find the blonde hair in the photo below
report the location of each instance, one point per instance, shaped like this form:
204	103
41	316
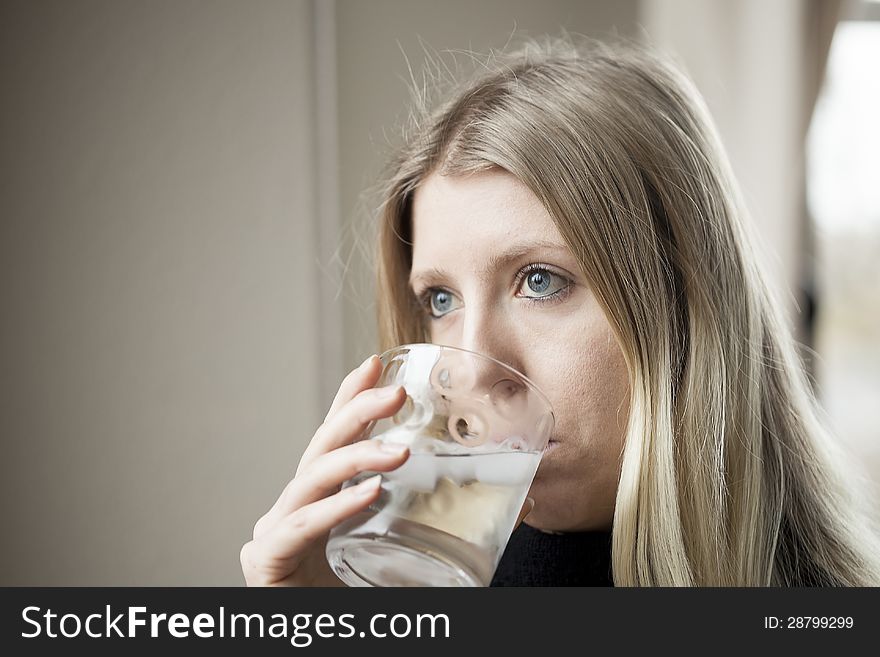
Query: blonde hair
728	478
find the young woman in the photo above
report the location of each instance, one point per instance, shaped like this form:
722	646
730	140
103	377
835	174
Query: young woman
571	212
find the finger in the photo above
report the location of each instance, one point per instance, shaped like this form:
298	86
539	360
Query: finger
526	509
350	421
277	553
327	472
357	380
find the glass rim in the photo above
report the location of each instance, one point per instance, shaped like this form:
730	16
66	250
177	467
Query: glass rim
531	384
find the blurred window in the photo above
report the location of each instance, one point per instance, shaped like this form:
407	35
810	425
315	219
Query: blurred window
843	183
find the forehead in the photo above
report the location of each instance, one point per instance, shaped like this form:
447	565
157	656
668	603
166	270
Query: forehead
478	212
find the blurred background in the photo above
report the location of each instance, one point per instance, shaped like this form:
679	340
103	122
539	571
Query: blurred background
185	234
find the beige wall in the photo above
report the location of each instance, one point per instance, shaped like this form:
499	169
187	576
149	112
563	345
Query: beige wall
158	284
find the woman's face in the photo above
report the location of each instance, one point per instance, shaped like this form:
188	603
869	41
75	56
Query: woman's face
496	277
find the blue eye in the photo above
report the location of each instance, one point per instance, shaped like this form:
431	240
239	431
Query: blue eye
541	282
538	281
440	302
535	282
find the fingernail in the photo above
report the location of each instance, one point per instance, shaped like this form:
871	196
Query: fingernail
368	486
366	364
392	448
387	392
530	503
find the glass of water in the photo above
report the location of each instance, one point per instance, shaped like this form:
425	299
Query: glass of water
476	429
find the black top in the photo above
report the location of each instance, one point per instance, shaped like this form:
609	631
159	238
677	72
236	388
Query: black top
536	558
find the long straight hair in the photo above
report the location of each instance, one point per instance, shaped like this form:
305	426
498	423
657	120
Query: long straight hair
727	475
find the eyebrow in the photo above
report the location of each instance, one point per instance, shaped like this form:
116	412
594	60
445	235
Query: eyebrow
433	275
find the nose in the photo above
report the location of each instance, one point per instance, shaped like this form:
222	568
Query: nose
488	401
487	329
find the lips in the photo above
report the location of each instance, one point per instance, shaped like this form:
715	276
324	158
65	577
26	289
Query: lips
551	446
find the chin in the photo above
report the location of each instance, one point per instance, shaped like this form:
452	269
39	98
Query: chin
553	511
549	513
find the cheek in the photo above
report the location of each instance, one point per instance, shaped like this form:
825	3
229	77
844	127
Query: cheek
586	380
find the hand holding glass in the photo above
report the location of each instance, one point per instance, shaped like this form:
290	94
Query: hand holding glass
476	429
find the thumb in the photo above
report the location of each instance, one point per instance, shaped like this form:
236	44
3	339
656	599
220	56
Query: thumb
527	507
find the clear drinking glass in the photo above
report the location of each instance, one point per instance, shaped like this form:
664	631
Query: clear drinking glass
476	429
